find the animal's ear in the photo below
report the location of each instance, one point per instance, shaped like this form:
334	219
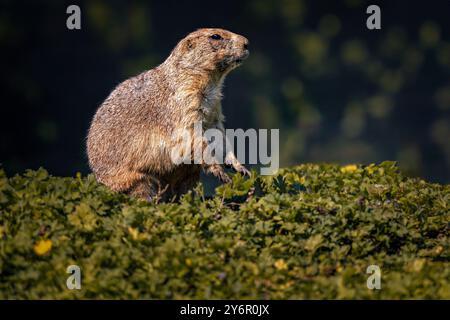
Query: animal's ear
189	44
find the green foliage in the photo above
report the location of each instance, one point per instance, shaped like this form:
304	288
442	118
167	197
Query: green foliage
309	232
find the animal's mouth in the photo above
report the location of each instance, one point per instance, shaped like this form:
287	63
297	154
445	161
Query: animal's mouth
242	57
232	62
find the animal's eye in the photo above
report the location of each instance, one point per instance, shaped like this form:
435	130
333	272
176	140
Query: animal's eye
216	37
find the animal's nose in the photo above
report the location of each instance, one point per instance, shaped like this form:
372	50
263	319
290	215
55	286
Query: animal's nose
240	42
245	44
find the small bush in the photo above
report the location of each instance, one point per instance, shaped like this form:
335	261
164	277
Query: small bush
310	232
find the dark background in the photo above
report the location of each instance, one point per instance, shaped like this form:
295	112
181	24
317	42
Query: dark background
337	91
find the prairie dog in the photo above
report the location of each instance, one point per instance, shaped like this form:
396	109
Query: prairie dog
131	135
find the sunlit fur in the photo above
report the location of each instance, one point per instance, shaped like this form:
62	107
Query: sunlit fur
130	138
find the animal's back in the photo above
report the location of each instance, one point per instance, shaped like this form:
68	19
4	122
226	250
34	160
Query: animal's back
125	126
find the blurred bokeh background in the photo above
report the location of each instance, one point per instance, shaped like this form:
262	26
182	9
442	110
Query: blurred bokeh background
337	91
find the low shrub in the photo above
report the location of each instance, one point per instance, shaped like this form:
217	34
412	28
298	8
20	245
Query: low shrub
308	232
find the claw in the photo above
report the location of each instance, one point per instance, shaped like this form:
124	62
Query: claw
218	172
243	170
223	177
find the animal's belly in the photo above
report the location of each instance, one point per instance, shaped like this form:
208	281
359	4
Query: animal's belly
183	173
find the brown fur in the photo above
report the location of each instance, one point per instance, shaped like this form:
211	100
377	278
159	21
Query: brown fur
130	137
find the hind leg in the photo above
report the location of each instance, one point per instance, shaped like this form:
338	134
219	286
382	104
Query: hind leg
185	178
146	188
141	189
135	184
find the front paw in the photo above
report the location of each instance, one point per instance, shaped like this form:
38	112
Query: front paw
223	177
219	173
242	170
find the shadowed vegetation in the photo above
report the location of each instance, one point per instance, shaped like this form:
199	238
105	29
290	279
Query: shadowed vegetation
310	231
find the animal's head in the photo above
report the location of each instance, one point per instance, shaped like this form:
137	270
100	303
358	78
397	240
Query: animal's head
211	50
